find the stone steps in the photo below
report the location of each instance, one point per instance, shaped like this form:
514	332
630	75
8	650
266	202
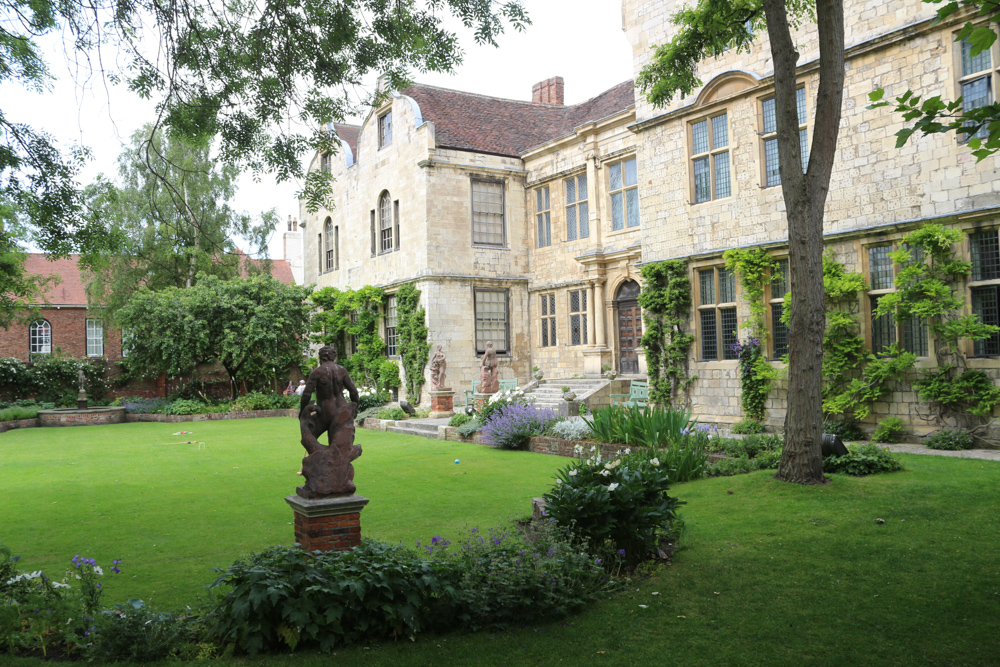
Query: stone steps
416	427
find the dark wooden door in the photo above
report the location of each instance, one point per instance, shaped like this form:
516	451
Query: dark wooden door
629	336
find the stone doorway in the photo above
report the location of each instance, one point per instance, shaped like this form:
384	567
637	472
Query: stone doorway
629	327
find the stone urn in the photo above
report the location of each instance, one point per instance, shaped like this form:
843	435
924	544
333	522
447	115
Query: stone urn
611	374
538	375
569	396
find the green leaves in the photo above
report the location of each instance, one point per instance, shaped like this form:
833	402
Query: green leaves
666	301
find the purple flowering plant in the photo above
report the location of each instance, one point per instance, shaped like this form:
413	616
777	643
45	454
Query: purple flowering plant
513	425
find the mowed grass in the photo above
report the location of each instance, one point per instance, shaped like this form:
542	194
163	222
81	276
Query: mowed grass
767	573
174	510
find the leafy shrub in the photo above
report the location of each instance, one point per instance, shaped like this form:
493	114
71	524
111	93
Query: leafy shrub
286	597
145	406
459	419
867	459
949	439
890	429
643	427
15	378
766	460
620	505
16	412
469	428
748	427
395	414
192	391
749	447
572	429
499	400
133	632
370	398
512	426
370	413
847	430
686	457
259	401
185	407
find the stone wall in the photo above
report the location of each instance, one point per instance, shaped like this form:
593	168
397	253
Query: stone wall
18	423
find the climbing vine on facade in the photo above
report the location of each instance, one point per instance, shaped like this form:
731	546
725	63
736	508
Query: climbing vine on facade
666	304
411	329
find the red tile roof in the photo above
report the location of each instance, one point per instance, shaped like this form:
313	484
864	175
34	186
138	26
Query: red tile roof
349	135
467	121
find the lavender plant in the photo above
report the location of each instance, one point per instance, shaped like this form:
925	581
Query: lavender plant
513	425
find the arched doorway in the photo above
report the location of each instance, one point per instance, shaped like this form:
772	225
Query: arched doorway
629	326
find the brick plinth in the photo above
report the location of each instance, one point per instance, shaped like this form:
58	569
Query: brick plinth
442	403
328	524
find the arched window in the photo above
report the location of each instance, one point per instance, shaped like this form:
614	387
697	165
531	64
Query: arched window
328	242
385	222
40	337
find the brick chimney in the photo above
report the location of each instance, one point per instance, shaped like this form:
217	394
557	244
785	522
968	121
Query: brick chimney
549	91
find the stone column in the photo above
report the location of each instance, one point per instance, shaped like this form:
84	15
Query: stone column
592	341
601	309
597	354
327	524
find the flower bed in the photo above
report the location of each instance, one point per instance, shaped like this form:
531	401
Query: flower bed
212	416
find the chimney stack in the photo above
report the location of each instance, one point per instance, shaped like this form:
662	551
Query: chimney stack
549	91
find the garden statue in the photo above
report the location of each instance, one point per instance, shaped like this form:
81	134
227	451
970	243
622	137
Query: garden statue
327	468
81	398
489	380
439	368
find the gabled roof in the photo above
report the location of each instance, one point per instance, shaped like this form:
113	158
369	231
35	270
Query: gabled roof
349	135
467	121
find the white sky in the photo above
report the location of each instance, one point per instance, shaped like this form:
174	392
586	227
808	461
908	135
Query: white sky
581	41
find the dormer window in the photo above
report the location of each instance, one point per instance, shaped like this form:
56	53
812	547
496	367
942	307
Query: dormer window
325	163
385	129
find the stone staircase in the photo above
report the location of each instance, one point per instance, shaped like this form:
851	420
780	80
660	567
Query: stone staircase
427	428
548	393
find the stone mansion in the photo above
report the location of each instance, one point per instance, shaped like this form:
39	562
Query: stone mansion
525	223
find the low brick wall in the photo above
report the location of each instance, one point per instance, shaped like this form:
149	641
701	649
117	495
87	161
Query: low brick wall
70	417
18	423
541	444
214	416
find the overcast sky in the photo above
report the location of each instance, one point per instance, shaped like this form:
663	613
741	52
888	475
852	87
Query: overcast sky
581	41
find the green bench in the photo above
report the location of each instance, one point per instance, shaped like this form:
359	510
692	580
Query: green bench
638	395
471	393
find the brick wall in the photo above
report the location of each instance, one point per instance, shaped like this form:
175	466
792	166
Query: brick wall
69	335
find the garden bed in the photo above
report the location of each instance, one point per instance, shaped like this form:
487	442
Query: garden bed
212	416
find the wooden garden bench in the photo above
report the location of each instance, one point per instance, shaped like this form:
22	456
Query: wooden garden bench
504	384
638	395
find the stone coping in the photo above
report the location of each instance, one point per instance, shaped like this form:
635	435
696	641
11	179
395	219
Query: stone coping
212	416
313	507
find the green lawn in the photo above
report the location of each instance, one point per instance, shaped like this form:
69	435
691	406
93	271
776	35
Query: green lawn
174	511
768	573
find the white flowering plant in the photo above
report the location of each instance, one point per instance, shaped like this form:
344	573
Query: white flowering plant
501	399
619	506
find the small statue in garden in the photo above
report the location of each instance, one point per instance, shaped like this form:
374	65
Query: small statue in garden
81	398
439	368
489	367
327	468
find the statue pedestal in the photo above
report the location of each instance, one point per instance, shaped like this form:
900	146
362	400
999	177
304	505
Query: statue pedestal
442	403
481	399
328	524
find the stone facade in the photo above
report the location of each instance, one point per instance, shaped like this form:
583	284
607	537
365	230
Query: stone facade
878	193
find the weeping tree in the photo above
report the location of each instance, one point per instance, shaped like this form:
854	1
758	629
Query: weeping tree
708	29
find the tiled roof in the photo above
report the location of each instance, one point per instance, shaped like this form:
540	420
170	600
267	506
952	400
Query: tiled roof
281	269
71	291
349	135
508	127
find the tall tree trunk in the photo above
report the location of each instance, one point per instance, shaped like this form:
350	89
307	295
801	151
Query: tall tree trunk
805	198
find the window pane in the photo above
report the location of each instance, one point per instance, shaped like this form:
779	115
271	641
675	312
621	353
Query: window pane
772	176
804	149
574	302
632	199
767	106
720	132
487	213
543	235
631	177
615	176
727	286
571	223
575	330
545	332
617	212
780	330
722	183
972	64
702	186
584	216
548	229
545	305
977	94
880	267
570	185
729	332
915	336
538	201
709	336
984	305
706	283
552	330
581	187
491	320
699	137
779	282
800	105
883	330
545	192
985	249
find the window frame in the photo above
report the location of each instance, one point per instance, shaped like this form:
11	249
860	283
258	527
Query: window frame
548	320
577	210
391	324
623	191
385	223
982	348
385	129
578	318
710	156
723	351
991	73
776	302
895	329
503	212
46	326
328	245
768	136
543	217
326	162
97	338
476	291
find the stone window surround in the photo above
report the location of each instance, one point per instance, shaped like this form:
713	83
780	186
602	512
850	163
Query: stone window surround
385	129
94	337
543	216
711	154
774	298
973	284
607	162
992	73
329	247
473	179
387	241
505	350
867	298
716	307
549	337
768	136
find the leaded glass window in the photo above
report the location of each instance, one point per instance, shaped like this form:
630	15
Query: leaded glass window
548	302
710	158
491	320
578	317
623	183
488	220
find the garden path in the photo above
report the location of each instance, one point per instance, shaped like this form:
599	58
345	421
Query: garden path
988	454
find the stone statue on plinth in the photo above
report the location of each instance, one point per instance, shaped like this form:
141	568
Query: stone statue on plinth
489	367
327	468
81	397
439	368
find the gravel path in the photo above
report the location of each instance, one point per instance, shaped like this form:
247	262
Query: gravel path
988	454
